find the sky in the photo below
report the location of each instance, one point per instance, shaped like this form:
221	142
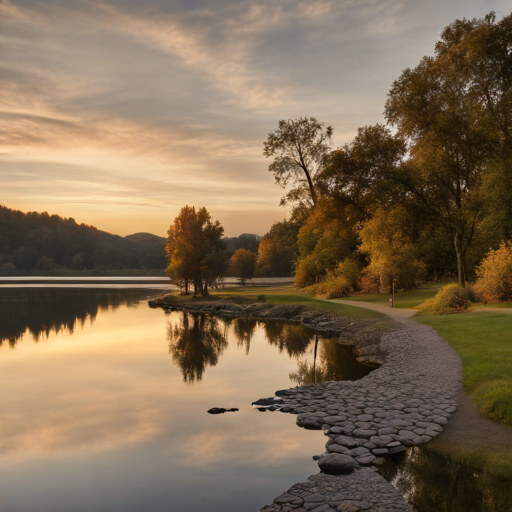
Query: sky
118	113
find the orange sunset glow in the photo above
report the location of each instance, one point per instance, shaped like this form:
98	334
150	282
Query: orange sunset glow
118	113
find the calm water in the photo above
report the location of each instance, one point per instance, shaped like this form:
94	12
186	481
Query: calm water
435	481
104	400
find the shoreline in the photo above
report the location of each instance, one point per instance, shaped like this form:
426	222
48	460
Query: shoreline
405	402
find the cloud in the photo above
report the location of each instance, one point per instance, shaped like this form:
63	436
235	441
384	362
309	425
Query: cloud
173	98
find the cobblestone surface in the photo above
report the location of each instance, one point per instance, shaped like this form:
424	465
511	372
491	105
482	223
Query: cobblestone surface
363	490
403	403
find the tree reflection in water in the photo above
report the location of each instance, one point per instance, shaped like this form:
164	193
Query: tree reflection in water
195	344
334	362
42	311
294	338
434	481
244	329
196	341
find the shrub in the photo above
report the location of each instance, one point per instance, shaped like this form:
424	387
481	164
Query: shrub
494	281
337	283
451	298
349	268
494	400
262	297
369	282
334	286
307	272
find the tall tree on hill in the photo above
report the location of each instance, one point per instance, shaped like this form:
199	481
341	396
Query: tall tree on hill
195	250
298	147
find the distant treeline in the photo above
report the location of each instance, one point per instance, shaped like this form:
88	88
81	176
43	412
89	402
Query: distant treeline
41	241
44	242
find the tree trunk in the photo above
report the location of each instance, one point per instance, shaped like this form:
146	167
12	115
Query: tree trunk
461	264
311	187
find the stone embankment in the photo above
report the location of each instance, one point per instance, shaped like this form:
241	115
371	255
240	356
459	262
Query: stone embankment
405	402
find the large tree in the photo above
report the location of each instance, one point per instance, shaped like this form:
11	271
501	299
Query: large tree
441	108
195	250
359	176
298	147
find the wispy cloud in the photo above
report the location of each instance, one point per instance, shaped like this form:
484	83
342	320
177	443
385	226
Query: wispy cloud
174	100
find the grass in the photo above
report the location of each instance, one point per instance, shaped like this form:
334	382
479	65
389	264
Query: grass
283	295
483	341
408	299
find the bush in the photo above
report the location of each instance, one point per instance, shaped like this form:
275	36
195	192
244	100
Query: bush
262	297
451	298
495	275
334	286
494	400
369	282
307	272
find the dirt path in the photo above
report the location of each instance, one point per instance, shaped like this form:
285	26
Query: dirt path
396	313
466	427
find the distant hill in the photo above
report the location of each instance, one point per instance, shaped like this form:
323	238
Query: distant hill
148	239
41	241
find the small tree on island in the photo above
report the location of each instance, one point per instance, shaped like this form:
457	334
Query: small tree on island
195	251
242	265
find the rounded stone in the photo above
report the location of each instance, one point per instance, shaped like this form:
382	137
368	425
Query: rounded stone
336	464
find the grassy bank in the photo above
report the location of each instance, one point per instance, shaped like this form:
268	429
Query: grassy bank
408	299
283	295
484	343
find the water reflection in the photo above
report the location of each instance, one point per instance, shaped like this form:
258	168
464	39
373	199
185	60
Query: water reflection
244	329
293	338
334	362
100	419
433	481
43	311
195	343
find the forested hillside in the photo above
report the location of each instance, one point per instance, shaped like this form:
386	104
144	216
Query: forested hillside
41	241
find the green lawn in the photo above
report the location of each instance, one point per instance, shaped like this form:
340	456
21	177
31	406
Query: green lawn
483	341
409	299
285	295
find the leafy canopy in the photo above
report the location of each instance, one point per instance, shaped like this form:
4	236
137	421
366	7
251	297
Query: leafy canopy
298	147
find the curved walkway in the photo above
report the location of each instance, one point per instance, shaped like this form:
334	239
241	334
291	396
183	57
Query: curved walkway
405	402
396	313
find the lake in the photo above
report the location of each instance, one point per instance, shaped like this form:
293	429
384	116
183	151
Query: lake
104	404
104	408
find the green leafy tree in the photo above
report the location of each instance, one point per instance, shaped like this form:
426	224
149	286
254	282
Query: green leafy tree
278	250
242	265
298	148
359	177
451	138
324	240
